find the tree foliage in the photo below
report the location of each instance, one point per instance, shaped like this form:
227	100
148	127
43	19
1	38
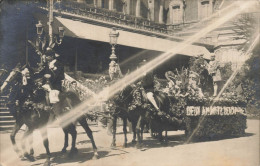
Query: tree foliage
246	29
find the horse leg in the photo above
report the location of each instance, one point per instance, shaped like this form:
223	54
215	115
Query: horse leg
31	144
15	129
125	131
28	135
72	130
83	122
114	121
138	132
134	123
142	130
46	145
66	139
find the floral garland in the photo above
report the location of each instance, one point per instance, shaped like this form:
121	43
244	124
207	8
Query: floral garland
215	126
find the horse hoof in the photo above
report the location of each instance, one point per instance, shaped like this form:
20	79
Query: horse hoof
134	142
63	151
125	145
31	152
47	163
23	158
72	152
29	157
139	146
113	145
95	157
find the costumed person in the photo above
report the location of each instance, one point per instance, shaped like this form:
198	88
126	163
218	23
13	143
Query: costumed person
193	88
148	85
171	82
21	91
57	73
54	77
114	70
214	71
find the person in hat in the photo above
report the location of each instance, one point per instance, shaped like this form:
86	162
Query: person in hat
171	78
214	70
148	85
56	68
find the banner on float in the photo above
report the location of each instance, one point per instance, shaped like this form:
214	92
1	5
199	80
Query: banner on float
215	110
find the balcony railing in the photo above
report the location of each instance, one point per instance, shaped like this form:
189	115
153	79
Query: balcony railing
120	18
110	16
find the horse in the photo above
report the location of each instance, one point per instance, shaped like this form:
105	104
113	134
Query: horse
127	104
69	100
34	117
120	106
34	114
168	119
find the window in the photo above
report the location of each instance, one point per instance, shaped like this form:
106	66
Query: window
176	14
205	3
205	9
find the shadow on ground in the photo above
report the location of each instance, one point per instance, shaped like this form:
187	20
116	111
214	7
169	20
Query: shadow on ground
175	140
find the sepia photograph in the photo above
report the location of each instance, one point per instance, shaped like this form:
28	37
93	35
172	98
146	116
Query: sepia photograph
129	82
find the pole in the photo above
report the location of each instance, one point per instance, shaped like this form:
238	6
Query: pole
50	22
26	45
76	60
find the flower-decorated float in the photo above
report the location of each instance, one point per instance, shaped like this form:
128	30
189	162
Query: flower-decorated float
194	108
203	114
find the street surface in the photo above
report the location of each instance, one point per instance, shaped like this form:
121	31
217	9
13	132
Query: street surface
241	151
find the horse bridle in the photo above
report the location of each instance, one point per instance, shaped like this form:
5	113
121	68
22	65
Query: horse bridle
121	95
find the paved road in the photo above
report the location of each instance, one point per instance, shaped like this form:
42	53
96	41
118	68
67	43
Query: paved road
242	151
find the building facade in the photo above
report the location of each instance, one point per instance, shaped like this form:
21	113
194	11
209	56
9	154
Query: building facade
151	24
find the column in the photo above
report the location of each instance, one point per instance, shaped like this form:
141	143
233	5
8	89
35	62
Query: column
161	14
111	5
128	5
151	9
99	3
138	8
95	2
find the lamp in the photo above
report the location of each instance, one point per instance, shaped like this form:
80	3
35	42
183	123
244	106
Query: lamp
39	27
113	35
61	33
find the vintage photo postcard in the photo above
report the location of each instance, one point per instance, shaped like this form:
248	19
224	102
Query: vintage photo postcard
129	82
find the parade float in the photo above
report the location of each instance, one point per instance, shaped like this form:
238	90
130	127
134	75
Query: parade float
193	107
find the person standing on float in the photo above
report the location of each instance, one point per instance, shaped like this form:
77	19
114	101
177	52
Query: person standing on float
214	71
